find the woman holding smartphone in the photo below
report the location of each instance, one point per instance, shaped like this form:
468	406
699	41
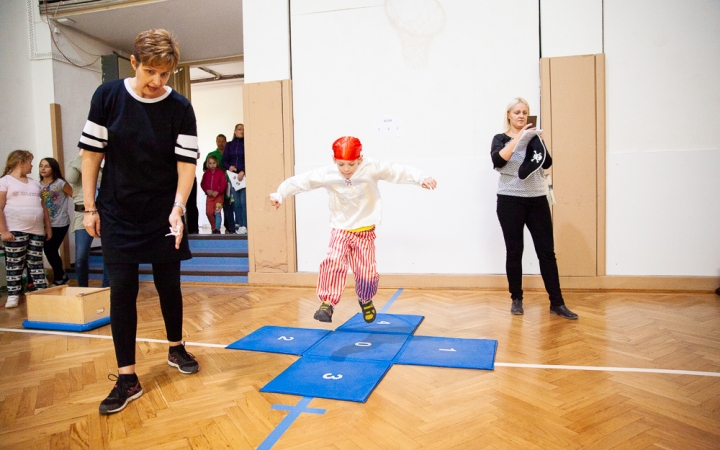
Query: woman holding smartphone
522	201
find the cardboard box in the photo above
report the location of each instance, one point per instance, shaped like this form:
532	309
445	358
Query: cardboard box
66	304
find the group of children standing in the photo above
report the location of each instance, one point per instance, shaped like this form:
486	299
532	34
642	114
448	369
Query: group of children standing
34	219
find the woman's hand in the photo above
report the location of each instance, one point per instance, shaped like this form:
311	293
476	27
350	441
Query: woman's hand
176	223
241	175
91	222
7	236
233	169
429	183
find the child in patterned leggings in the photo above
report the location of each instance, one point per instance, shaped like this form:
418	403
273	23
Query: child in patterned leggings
352	184
24	224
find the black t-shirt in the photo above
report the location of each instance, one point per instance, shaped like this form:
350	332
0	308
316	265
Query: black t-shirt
143	139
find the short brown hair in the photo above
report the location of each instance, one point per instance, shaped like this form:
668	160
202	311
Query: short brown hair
156	48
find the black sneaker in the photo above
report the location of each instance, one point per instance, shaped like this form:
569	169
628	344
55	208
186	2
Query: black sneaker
184	361
122	394
517	308
368	311
62	282
563	312
324	314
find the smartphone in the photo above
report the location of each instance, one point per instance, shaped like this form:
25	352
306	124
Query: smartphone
532	120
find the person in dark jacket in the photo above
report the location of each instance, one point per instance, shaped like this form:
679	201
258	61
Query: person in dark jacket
233	159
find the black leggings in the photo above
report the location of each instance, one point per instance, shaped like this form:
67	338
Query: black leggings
51	251
514	214
124	289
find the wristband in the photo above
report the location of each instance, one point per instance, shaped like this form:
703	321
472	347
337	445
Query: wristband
181	206
90	211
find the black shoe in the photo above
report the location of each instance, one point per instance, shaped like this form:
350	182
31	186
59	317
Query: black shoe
62	282
517	308
368	311
324	314
122	394
184	361
563	312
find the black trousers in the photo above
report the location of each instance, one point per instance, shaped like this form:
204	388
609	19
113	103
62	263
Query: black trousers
51	250
124	289
514	214
192	215
228	213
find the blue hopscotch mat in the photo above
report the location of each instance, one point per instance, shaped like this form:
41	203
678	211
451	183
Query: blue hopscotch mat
348	363
287	340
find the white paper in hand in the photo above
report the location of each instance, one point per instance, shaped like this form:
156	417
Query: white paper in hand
525	139
237	185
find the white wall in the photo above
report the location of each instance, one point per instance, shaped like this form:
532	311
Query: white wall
663	138
218	107
352	66
266	40
74	86
571	27
17	126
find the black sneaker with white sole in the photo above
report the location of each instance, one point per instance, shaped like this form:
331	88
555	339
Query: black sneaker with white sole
127	388
324	313
184	361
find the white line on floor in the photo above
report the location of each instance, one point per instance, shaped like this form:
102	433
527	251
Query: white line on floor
100	336
497	364
609	369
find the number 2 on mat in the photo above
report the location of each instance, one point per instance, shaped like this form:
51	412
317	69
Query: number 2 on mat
283	338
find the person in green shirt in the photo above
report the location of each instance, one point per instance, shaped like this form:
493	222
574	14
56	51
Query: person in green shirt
220	141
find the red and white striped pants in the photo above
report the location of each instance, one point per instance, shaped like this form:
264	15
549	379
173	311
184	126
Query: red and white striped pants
354	250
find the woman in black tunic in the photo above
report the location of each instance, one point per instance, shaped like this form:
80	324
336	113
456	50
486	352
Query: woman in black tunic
146	132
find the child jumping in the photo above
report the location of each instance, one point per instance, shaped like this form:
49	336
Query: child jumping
214	184
354	211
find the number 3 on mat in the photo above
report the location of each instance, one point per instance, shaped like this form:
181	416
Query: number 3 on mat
330	376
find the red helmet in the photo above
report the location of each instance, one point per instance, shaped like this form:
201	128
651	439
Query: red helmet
347	148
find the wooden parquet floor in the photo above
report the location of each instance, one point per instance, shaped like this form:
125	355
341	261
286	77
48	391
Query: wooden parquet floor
50	385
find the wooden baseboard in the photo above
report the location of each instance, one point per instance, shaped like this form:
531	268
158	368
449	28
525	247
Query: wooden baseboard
429	281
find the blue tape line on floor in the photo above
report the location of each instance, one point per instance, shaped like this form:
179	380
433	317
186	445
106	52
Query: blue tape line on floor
287	421
391	301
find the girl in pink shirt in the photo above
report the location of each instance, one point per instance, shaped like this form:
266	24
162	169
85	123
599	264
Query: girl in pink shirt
24	224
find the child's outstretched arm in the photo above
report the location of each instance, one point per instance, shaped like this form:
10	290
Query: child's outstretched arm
400	174
299	183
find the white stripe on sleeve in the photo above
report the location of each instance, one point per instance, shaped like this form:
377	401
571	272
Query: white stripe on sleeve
95	130
187	153
187	141
92	142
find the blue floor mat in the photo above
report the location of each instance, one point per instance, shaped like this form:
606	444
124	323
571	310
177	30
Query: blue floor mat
287	340
449	352
343	345
384	323
351	381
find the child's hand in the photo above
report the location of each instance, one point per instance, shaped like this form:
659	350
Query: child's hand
429	183
275	203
